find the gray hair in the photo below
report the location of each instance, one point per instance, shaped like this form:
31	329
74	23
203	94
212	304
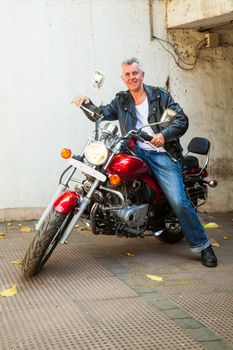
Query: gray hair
133	60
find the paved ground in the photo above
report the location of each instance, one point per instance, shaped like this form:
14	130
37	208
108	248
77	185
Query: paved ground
94	294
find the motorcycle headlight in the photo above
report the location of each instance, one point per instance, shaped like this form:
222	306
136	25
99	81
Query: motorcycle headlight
96	153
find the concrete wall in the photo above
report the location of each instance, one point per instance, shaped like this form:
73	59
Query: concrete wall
198	13
206	93
49	51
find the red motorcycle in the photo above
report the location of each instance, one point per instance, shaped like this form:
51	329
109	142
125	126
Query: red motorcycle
118	195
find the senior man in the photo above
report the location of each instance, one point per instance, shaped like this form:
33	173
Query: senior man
142	104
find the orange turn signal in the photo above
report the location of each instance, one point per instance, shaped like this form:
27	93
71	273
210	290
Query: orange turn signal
66	153
114	180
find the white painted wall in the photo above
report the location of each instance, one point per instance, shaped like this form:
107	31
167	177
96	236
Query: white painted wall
49	50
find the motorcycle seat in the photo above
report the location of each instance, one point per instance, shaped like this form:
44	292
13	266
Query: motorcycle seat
190	162
200	146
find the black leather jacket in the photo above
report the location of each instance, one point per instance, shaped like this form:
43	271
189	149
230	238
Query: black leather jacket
122	108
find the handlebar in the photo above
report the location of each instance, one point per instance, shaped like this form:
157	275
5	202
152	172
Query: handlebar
146	136
139	135
86	109
92	112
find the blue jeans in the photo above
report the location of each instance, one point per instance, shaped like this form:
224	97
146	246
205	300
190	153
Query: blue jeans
169	175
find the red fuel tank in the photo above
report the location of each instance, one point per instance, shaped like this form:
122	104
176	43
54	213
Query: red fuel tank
128	167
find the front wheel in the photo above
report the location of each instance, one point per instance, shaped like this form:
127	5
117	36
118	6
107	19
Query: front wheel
44	243
172	233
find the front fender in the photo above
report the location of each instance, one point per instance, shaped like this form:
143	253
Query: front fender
66	202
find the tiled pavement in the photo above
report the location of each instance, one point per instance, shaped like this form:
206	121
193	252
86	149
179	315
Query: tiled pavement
94	294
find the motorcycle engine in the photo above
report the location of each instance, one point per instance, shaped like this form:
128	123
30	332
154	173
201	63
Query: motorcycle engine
133	215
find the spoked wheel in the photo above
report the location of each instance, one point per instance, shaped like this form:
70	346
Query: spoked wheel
172	233
44	243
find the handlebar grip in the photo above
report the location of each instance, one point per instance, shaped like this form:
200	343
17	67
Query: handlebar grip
88	105
146	136
92	112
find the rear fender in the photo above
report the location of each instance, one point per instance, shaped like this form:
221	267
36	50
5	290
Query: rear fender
66	202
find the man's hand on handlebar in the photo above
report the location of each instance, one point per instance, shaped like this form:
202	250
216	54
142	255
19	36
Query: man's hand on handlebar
158	140
79	100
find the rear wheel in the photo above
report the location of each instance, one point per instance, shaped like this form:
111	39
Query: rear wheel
172	233
44	243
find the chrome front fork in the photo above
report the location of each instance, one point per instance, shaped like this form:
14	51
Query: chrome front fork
85	202
61	188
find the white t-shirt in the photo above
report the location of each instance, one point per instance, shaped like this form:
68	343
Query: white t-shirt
142	112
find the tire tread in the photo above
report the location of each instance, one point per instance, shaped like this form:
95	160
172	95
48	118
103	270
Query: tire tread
32	262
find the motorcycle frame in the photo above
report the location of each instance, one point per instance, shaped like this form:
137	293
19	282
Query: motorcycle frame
58	198
74	200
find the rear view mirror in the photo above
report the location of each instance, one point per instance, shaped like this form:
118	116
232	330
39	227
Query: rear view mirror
97	80
167	116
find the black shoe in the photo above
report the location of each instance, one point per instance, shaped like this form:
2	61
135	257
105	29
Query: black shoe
208	257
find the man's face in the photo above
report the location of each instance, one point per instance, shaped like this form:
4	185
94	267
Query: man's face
132	76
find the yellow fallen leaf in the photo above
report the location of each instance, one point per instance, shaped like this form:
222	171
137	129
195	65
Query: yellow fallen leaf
76	225
225	237
9	292
20	225
129	254
155	278
85	228
9	224
2	235
213	242
17	262
26	229
212	225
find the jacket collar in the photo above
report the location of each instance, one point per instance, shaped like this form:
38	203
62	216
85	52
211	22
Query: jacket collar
151	92
128	101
